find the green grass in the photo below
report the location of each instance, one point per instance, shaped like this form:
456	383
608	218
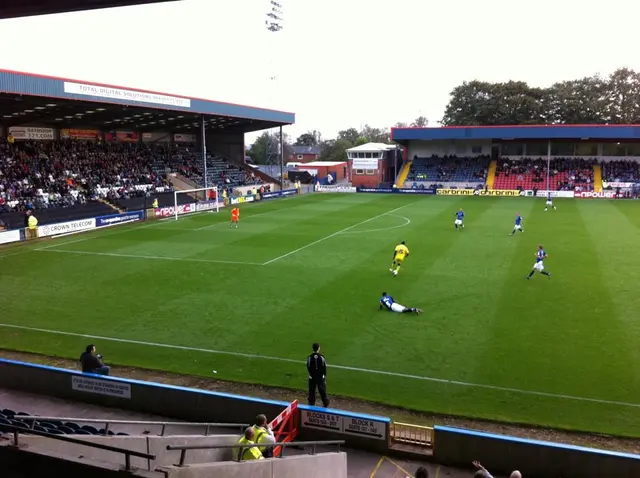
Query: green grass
572	338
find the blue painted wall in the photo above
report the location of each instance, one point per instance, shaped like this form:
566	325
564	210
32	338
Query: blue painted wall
610	132
33	85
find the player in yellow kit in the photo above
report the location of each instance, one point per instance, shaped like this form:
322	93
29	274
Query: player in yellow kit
400	252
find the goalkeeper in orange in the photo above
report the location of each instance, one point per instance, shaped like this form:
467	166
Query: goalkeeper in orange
399	254
235	216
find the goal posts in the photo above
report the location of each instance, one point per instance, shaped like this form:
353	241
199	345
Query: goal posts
189	201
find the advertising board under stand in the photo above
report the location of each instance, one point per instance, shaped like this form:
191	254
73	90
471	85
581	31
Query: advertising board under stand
171	210
66	227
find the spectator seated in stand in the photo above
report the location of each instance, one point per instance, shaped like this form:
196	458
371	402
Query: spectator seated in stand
469	171
566	174
623	171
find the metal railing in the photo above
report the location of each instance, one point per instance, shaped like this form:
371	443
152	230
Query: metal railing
127	453
107	422
183	448
412	434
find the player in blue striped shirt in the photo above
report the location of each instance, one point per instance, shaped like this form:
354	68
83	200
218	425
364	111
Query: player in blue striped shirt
541	255
518	224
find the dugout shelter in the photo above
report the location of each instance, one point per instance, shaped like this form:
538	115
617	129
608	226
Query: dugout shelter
603	143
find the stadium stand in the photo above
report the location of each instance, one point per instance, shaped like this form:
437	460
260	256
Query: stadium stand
566	174
449	170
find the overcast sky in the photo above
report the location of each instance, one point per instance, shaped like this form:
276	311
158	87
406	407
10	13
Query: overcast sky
339	63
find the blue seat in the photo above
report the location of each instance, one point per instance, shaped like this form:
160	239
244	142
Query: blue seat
8	413
90	429
48	424
80	431
122	434
102	431
66	430
40	428
73	425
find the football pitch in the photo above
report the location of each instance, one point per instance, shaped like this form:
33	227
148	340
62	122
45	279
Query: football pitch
194	295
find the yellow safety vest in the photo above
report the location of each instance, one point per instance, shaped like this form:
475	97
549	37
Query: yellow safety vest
33	222
260	433
155	204
248	453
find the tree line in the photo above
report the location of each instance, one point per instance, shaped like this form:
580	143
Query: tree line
614	99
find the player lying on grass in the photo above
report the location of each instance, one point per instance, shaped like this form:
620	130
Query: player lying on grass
387	302
541	255
399	253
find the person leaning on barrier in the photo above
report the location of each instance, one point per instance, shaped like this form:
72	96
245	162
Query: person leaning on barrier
92	362
264	436
249	453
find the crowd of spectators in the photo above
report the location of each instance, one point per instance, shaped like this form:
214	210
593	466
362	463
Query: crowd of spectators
45	174
40	175
569	174
621	171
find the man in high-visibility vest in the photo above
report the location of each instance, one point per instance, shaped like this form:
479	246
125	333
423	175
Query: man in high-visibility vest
32	226
155	204
249	453
264	436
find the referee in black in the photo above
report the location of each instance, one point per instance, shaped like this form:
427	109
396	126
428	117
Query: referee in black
317	368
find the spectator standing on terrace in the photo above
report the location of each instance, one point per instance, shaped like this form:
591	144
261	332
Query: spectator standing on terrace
264	435
92	362
317	368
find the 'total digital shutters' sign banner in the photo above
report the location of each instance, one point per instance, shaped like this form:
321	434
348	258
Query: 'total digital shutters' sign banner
124	94
81	134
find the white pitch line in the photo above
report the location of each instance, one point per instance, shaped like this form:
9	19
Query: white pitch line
333	235
407	221
158	258
339	367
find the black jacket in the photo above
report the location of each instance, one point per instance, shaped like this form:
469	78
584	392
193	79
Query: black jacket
316	365
90	362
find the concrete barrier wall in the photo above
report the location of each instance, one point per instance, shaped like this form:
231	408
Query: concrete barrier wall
503	454
22	462
185	403
144	444
324	465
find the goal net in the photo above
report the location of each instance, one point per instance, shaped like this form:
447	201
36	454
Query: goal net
196	200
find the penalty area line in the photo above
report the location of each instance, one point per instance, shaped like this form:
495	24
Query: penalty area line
339	367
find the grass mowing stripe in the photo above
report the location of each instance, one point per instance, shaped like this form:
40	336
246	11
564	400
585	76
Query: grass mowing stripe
339	367
322	239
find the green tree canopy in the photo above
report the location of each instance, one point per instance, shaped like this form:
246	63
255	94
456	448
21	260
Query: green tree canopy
590	100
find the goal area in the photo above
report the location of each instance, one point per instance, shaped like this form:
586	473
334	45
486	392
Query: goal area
190	201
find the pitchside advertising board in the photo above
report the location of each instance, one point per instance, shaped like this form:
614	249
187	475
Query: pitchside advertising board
112	219
347	425
598	195
279	194
396	191
66	227
171	210
335	189
479	192
9	236
242	199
